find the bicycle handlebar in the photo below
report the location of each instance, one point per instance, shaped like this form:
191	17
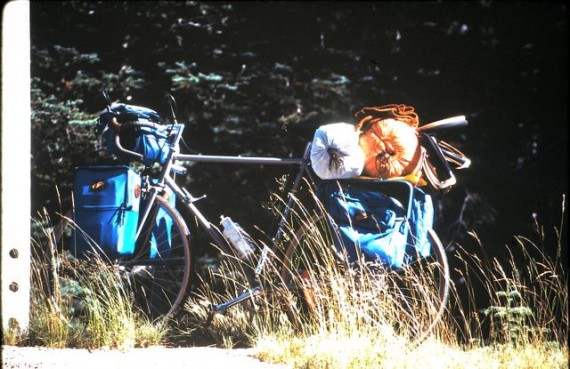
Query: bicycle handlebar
125	151
458	121
116	127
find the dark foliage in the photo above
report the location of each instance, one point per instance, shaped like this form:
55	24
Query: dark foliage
258	77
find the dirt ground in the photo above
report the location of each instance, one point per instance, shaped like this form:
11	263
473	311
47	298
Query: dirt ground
153	357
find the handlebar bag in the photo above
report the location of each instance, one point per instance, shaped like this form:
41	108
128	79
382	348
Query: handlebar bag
131	113
151	143
374	225
107	200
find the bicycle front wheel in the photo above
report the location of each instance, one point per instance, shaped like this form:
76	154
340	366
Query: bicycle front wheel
412	299
157	274
159	271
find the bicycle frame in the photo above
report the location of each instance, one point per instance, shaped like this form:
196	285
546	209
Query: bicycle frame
167	178
440	177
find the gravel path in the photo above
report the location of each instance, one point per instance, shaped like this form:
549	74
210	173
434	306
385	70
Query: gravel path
151	358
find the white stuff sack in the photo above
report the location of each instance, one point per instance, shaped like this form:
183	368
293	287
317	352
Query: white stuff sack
335	152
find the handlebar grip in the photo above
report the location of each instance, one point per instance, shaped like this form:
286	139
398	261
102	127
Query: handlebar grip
458	121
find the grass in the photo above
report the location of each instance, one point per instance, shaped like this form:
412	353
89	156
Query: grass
524	325
330	351
529	330
528	296
92	307
363	319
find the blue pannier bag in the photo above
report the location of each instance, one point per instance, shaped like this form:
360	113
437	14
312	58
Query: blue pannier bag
161	235
385	221
151	143
131	113
421	220
107	202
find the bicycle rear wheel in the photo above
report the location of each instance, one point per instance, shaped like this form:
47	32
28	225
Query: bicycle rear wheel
157	273
412	299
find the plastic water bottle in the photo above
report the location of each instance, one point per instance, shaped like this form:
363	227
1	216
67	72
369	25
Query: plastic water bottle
235	235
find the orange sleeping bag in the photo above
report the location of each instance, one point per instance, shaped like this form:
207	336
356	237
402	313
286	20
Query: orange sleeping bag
389	141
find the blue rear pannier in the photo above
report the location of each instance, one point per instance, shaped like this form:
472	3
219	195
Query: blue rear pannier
421	220
384	221
106	209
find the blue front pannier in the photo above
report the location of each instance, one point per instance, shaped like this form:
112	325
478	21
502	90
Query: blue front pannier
106	210
384	221
161	236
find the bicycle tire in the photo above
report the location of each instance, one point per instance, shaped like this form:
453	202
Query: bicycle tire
300	304
303	303
159	284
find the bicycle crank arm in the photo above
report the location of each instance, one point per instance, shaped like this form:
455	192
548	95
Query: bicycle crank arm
220	308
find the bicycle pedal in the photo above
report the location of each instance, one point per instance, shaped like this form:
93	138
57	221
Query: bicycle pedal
214	315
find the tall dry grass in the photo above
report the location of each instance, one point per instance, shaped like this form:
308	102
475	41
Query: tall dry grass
363	318
82	303
527	295
370	318
349	302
